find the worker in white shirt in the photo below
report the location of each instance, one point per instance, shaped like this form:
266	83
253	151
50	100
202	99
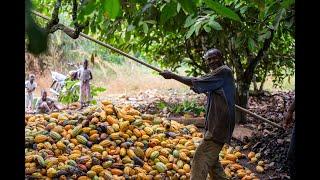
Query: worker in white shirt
30	86
85	77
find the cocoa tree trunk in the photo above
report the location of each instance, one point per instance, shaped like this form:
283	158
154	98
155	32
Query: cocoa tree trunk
263	80
255	86
242	96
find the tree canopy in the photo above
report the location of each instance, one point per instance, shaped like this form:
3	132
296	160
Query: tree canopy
255	36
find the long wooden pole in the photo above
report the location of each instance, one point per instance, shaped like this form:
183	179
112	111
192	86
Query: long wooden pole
154	68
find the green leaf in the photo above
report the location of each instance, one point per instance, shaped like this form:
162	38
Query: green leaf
87	8
278	18
168	11
100	89
111	8
222	10
190	32
260	3
130	27
264	36
197	27
145	28
287	3
243	9
94	102
188	5
189	21
178	7
215	25
251	44
151	21
207	28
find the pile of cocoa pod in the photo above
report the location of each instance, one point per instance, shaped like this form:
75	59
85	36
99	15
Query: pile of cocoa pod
109	142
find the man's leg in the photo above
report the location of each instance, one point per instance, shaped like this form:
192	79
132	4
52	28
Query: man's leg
291	155
31	101
44	106
217	171
81	95
88	93
205	158
27	101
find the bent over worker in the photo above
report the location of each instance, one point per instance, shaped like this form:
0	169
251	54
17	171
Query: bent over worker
45	104
219	87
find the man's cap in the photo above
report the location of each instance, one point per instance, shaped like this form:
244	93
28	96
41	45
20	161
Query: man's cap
43	91
212	53
31	76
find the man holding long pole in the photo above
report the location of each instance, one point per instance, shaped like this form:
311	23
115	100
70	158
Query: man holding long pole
219	87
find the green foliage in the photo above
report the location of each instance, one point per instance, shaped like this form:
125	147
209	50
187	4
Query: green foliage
163	33
36	36
222	10
182	108
70	92
111	8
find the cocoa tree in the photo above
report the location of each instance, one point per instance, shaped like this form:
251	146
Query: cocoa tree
175	33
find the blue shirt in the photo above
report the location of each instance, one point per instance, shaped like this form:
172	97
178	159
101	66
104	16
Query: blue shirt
220	108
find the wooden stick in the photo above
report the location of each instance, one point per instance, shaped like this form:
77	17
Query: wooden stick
258	117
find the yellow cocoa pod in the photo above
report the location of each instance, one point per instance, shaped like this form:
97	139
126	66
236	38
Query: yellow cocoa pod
251	154
111	120
253	160
247	177
237	166
108	110
60	145
238	154
226	162
137	133
124	125
123	152
231	157
148	131
259	169
127	170
187	168
148	152
163	159
40	138
131	153
241	174
147	167
106	102
97	168
145	137
74	156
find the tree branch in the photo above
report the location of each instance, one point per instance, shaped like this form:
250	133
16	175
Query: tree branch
248	74
53	25
55	18
237	63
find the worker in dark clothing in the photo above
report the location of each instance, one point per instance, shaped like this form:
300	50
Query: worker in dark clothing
219	87
292	147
